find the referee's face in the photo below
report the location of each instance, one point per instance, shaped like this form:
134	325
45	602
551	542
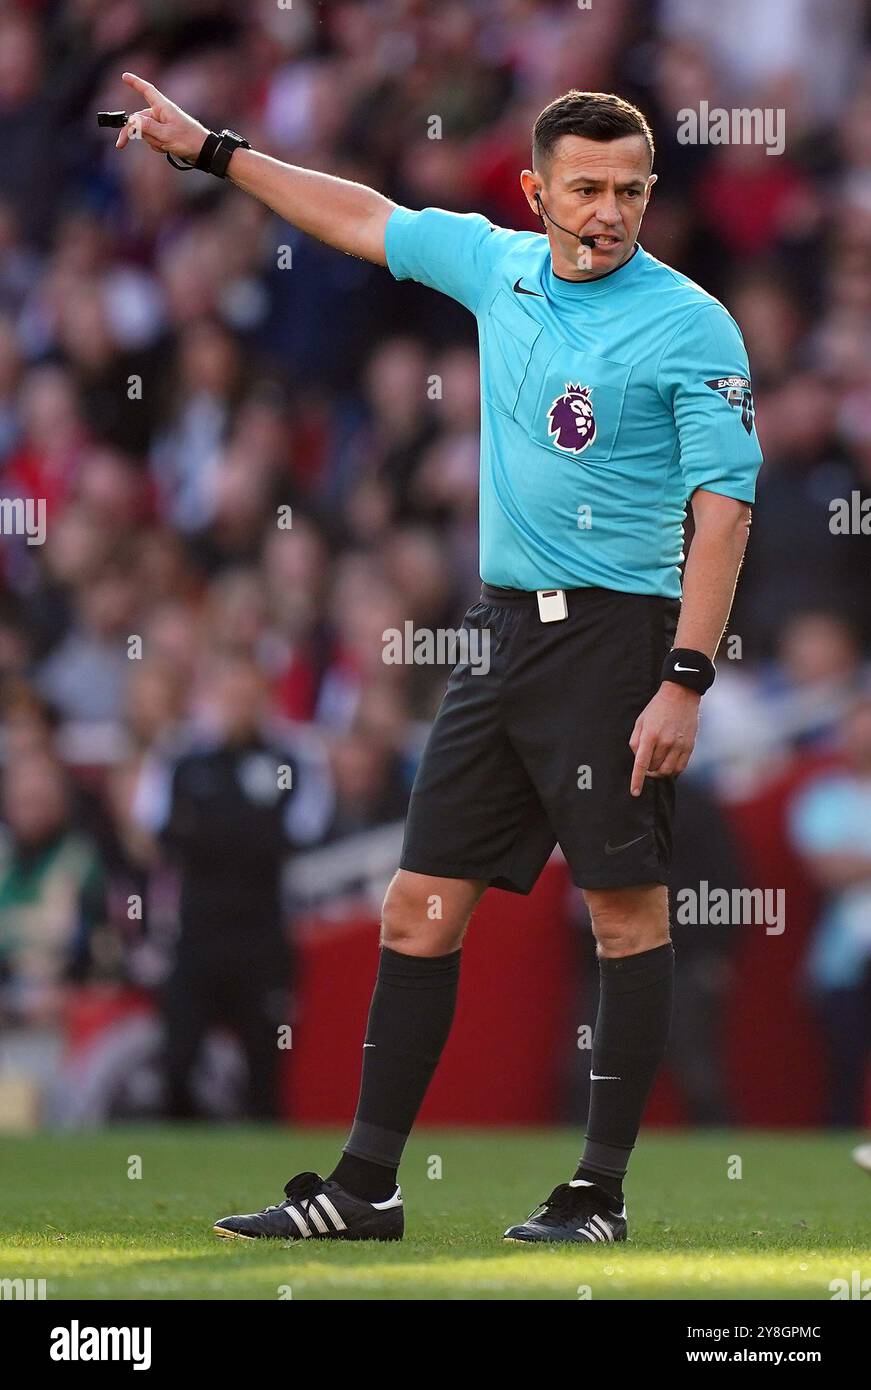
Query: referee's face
592	188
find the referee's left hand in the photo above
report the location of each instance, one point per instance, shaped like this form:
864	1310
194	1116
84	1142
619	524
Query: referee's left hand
665	734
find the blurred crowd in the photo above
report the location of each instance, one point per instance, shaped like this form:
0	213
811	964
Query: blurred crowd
254	449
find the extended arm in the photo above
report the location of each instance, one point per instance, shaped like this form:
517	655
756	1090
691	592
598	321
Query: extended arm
345	215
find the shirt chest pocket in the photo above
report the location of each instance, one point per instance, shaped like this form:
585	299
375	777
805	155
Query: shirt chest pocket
567	399
509	338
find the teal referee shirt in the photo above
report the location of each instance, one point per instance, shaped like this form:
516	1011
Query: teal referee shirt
604	404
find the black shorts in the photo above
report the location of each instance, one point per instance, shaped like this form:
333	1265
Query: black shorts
535	751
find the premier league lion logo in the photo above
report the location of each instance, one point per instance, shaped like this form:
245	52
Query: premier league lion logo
571	422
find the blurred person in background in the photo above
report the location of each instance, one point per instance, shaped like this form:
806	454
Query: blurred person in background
27	123
28	723
173	634
10	379
363	606
239	504
165	572
774	322
830	824
370	777
19	268
86	674
445	490
45	459
817	674
205	388
296	566
104	374
155	717
227	810
385	440
15	652
416	565
235	612
798	561
76	548
52	915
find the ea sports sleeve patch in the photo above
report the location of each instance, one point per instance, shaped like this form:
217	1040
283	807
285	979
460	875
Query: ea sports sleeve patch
737	391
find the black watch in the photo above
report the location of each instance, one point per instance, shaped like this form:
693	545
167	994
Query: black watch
215	153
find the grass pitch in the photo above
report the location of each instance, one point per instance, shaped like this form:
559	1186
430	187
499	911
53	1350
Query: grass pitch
798	1217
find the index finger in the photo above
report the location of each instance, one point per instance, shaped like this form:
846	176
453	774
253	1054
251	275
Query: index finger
145	89
641	764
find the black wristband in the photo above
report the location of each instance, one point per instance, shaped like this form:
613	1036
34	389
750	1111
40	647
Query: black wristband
692	669
215	153
207	152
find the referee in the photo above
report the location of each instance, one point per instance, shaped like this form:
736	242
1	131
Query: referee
614	391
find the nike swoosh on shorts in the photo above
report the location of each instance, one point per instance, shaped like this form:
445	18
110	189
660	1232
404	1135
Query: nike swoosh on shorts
615	849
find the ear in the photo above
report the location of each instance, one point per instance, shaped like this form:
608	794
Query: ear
649	189
530	184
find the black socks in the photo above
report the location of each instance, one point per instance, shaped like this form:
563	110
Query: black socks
409	1021
374	1182
629	1043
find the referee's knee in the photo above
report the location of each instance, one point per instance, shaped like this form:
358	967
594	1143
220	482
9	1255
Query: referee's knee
427	916
627	921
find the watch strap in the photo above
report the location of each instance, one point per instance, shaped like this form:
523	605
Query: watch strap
215	153
207	153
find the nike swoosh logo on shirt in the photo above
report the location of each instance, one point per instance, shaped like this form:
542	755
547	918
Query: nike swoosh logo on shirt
518	289
593	1077
686	668
615	849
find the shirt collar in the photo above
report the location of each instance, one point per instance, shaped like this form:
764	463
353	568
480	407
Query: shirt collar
576	290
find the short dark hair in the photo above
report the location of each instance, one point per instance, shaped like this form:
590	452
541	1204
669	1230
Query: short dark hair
594	115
